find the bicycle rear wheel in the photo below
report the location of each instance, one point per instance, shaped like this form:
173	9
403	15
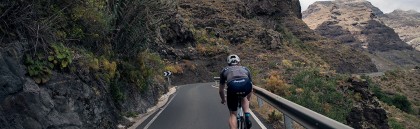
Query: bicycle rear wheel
241	123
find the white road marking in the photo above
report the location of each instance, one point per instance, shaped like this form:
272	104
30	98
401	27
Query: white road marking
258	120
214	86
154	118
252	114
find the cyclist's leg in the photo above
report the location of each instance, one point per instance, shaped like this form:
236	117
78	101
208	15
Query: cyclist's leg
232	120
249	95
232	103
247	86
245	103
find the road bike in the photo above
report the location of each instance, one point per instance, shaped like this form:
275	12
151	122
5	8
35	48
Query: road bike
240	115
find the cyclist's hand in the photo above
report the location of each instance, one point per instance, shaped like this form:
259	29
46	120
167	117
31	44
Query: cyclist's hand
223	101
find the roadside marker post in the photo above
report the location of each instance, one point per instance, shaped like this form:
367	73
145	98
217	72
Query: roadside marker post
168	74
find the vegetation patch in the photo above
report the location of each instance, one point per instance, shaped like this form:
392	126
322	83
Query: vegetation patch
143	71
319	93
116	93
276	85
399	101
395	124
38	68
41	65
176	69
208	44
61	56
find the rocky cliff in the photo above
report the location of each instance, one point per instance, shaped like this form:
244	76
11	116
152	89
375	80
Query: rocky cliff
406	24
366	112
67	100
357	23
60	66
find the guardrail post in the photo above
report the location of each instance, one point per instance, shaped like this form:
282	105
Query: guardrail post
288	123
216	79
260	102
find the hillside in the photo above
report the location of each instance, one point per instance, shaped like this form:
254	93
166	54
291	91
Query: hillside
92	64
262	33
399	93
357	23
406	24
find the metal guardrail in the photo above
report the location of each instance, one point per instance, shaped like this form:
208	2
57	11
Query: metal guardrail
305	117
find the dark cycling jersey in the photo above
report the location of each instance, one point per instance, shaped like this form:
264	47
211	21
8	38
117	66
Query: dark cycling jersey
230	73
239	84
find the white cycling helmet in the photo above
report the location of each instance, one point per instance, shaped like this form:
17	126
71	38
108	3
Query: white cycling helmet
233	59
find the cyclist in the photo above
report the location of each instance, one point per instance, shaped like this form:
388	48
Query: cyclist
239	84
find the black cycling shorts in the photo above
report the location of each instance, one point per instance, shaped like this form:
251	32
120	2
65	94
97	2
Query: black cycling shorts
235	89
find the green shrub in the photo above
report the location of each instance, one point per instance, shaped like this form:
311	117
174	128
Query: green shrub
116	92
38	68
61	56
395	125
130	114
399	101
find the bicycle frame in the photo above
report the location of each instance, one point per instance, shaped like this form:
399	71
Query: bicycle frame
240	115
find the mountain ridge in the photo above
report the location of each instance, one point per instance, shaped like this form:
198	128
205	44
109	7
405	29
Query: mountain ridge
358	24
406	24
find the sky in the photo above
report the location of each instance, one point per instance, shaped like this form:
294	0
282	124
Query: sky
386	6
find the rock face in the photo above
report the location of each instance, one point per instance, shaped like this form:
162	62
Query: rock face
69	101
366	113
64	102
358	23
406	24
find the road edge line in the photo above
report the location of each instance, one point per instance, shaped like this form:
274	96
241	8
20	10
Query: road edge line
155	117
153	109
258	120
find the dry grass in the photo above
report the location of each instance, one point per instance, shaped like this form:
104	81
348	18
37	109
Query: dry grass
174	68
409	121
276	84
190	65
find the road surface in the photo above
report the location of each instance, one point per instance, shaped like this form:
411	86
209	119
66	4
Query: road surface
194	106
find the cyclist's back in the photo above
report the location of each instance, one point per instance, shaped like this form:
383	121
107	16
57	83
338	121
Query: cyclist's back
238	80
239	85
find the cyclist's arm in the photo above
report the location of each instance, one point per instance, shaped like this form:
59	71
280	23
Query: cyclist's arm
222	92
222	87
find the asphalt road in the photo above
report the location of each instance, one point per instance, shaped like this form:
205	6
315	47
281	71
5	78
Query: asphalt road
194	106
